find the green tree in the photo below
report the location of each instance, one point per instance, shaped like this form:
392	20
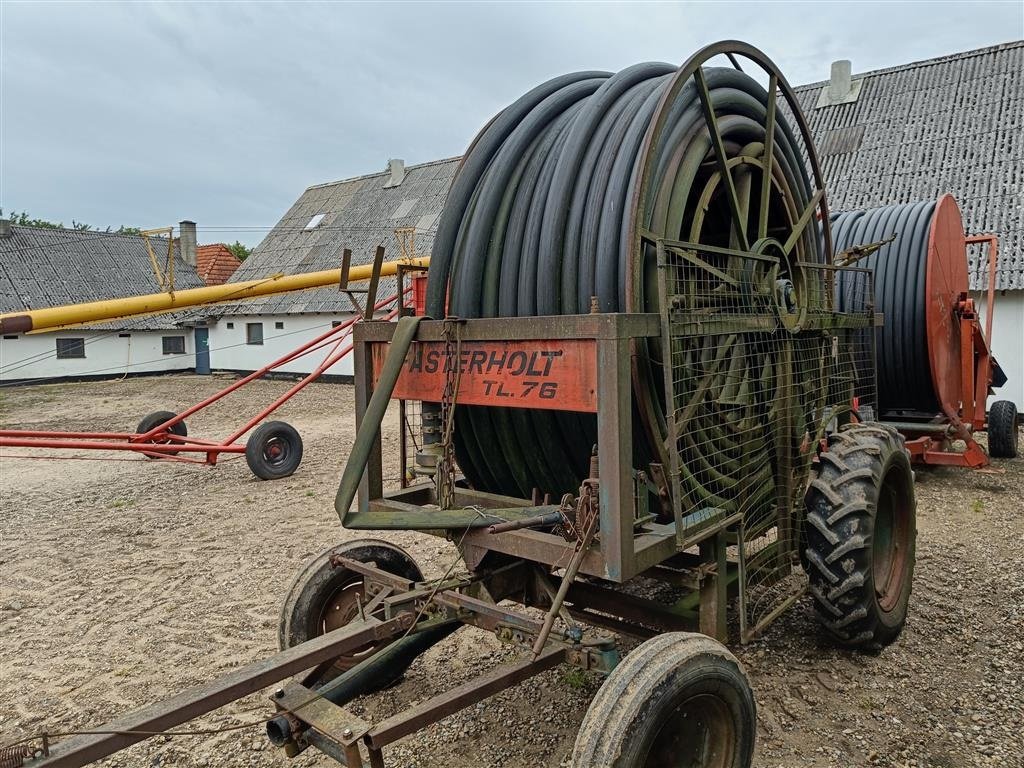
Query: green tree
240	250
23	219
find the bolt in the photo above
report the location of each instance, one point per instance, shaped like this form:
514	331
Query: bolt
279	693
347	733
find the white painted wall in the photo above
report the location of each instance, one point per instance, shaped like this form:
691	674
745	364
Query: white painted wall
229	350
1007	342
107	353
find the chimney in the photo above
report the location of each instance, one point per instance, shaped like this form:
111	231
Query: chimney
187	241
841	87
5	229
839	81
397	169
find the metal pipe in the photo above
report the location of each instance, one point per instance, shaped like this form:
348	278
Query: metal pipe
366	676
100	445
36	320
137	726
332	358
322	340
369	427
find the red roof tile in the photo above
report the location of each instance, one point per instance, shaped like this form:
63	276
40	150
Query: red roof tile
216	263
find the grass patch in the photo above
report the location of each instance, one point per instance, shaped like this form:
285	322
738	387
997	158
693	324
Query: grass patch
575	678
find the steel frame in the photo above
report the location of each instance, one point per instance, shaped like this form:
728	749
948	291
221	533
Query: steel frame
630	541
930	441
403	608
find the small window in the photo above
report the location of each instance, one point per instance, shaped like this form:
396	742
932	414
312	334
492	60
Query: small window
279	325
70	348
315	221
124	335
254	333
174	345
10	338
230	326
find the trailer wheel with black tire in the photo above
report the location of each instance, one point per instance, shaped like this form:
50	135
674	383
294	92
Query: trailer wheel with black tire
274	450
154	420
678	699
861	534
323	598
1003	430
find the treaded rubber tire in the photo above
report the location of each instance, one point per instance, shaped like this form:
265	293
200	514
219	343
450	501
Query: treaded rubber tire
155	419
638	700
280	435
1003	437
317	584
842	507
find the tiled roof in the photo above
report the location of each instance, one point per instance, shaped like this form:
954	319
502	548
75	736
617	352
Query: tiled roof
358	214
952	124
216	263
50	267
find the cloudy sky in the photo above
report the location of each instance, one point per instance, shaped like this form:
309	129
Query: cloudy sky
144	114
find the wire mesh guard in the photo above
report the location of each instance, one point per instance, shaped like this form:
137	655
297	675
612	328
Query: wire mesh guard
410	422
756	365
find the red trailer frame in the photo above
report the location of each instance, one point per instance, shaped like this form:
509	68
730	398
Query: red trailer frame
161	442
932	443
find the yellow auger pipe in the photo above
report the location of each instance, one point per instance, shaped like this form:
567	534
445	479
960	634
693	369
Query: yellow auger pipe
37	320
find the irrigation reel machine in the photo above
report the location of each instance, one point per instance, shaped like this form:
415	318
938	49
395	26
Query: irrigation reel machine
638	374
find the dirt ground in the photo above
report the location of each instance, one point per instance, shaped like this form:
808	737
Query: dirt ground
122	582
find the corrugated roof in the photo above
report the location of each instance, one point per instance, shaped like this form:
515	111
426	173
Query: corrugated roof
216	263
358	214
952	124
50	267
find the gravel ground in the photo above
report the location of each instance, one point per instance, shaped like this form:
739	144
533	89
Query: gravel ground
125	581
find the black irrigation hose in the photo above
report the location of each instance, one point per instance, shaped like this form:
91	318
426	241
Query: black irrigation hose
538	221
901	344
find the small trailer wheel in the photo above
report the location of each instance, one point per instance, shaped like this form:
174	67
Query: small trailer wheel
155	419
323	598
1003	435
274	450
678	699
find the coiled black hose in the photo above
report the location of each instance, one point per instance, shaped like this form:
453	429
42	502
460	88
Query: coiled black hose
904	382
540	219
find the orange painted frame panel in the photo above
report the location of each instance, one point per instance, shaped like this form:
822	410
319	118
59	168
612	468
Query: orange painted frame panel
558	375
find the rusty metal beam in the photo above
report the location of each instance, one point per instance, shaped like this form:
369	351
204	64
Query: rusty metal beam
462	696
140	725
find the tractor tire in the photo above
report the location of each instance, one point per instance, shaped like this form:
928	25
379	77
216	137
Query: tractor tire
155	419
677	699
323	598
1003	435
861	534
274	450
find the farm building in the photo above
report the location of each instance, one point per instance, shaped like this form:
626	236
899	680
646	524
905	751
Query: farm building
951	124
359	214
42	267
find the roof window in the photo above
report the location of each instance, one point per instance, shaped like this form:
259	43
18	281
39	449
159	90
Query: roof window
315	221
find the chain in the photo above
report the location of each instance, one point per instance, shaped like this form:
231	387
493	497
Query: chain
453	376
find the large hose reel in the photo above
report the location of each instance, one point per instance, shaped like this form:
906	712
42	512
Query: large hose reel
565	203
920	274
